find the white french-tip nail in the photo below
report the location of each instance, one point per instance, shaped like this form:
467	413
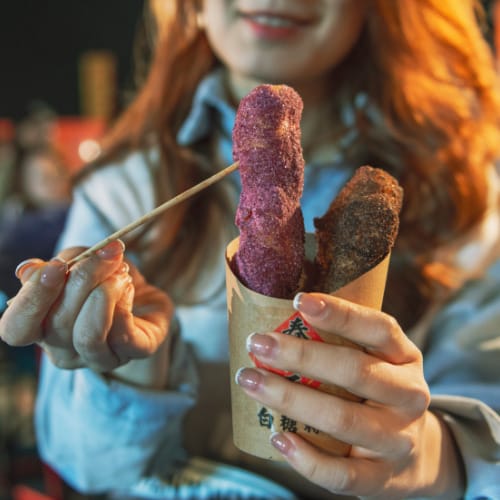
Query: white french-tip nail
248	341
22	264
296	301
237	375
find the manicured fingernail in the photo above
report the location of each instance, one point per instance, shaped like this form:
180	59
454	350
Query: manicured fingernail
309	304
262	345
111	250
282	443
53	273
23	266
248	378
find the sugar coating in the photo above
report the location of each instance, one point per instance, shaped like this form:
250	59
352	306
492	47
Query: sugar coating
266	142
359	228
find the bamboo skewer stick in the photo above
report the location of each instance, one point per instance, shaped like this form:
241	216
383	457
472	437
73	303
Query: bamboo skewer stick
150	215
156	211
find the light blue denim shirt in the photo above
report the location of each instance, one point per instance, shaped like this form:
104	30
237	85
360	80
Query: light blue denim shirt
103	435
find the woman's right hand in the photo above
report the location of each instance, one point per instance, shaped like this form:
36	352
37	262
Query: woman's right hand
100	314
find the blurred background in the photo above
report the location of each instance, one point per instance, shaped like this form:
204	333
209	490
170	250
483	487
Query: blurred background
72	57
44	45
67	67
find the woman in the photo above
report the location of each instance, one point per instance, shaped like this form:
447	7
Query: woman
406	86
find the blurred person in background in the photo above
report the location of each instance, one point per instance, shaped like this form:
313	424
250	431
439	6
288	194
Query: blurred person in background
34	213
37	192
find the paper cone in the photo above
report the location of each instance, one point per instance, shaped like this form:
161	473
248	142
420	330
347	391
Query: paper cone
249	312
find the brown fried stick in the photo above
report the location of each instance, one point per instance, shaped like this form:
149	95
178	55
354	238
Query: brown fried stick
359	228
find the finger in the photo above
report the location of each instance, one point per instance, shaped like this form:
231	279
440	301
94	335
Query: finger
68	253
42	283
122	328
139	335
64	358
373	428
93	323
26	268
347	476
374	330
369	377
82	279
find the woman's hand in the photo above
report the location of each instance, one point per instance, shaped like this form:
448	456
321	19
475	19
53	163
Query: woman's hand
399	448
99	314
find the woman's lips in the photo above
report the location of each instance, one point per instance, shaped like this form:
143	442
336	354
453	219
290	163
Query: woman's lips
273	26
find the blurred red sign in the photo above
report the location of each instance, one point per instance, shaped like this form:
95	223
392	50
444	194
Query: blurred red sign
72	134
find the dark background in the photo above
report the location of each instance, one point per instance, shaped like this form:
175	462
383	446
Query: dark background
41	42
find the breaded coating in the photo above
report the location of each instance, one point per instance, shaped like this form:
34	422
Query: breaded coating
359	228
266	142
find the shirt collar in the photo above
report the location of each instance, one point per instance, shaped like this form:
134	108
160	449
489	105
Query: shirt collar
210	106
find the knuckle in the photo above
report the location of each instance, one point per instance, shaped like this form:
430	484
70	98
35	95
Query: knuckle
347	480
10	338
392	323
419	398
340	420
59	324
79	276
357	370
31	306
311	471
343	479
101	293
88	342
419	357
302	354
64	363
287	398
336	479
407	445
7	334
19	330
344	316
59	327
387	329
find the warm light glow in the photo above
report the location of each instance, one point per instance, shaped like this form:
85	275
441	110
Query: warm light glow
161	9
89	150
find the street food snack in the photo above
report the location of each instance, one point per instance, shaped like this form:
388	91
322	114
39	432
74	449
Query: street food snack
266	143
273	258
359	228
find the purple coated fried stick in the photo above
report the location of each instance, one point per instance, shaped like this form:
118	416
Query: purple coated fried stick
266	142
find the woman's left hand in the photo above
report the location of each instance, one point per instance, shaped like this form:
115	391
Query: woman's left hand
399	448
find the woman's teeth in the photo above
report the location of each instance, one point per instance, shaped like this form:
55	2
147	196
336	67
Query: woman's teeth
273	21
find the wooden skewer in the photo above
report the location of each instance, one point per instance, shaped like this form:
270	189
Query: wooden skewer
156	211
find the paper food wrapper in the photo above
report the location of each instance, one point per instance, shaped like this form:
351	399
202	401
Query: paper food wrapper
250	312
